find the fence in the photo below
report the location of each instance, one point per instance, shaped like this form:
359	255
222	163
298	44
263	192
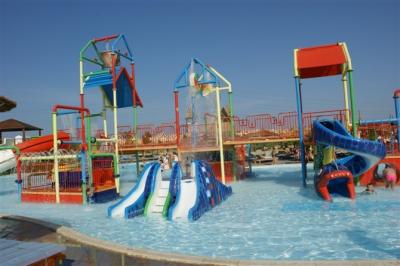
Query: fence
37	173
385	132
103	172
253	127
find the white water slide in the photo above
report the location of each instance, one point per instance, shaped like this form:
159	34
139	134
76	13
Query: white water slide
118	210
7	160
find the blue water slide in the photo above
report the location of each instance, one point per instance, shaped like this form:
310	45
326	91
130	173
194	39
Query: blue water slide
197	194
174	188
210	192
366	153
134	202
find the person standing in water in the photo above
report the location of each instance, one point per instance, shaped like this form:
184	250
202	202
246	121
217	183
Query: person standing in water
390	176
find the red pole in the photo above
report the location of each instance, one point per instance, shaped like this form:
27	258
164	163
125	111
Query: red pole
19	178
106	38
177	127
84	146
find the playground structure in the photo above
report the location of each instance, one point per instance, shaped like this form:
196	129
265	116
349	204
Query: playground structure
219	131
333	175
321	61
202	130
74	171
86	165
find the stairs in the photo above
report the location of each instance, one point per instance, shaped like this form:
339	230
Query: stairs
160	197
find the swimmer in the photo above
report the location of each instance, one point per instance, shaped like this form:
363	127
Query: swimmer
369	190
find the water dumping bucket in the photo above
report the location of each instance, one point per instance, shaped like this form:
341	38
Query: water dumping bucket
106	58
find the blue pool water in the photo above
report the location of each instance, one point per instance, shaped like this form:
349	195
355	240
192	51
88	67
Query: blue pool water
269	216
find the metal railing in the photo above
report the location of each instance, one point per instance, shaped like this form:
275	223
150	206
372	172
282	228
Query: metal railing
251	128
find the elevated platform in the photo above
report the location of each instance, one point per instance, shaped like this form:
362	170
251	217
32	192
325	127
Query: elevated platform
253	129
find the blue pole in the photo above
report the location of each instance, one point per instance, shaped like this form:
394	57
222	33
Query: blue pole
397	109
19	189
301	135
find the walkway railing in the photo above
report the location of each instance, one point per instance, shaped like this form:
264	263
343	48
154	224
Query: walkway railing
385	132
253	128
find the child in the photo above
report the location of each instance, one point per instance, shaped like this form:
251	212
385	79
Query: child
390	176
369	190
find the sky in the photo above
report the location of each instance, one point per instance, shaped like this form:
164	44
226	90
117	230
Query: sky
250	42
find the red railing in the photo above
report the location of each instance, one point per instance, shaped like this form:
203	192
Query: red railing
103	173
251	128
147	135
39	176
382	131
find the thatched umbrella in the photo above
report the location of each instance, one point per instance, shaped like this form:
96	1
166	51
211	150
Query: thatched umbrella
6	104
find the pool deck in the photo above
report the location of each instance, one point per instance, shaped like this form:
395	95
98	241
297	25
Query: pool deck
85	250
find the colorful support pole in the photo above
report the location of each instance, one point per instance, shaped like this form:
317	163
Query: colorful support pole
55	151
352	104
177	119
104	115
249	158
82	156
136	139
397	109
19	178
220	140
232	130
301	135
232	122
135	118
346	101
87	160
115	108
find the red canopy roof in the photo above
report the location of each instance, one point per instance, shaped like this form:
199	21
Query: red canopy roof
320	61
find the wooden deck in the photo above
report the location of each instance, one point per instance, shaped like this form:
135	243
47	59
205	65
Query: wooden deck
133	149
187	149
14	252
257	141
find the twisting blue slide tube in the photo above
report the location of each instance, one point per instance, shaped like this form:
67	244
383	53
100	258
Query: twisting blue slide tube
366	153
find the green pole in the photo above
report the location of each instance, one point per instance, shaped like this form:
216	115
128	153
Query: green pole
232	133
136	140
89	150
352	104
231	114
55	152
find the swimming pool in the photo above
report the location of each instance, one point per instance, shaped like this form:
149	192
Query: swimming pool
269	216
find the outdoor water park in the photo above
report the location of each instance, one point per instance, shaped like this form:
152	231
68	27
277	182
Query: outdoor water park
209	186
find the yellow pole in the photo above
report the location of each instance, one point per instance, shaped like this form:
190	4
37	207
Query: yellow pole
296	71
346	100
55	151
116	137
220	141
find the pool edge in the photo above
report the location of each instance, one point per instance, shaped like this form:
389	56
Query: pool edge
166	257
